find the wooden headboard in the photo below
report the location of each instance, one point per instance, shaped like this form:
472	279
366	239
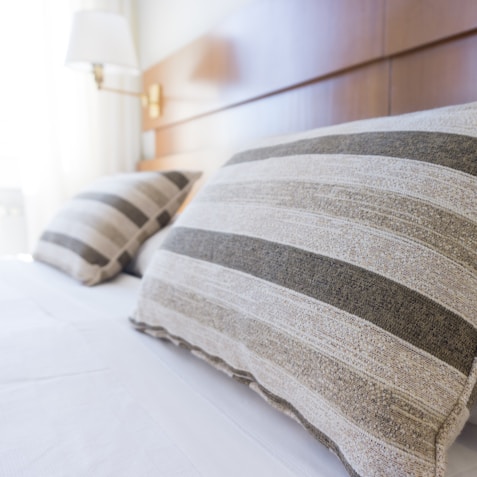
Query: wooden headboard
280	66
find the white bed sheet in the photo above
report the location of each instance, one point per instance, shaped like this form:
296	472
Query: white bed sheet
82	393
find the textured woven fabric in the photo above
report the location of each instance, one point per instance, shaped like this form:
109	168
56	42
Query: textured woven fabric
98	231
141	260
335	272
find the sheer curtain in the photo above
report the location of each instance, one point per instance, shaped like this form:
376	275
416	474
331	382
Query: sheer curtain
59	132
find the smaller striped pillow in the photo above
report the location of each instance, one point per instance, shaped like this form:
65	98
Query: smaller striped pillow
96	233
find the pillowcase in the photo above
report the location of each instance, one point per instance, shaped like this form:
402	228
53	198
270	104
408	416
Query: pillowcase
139	263
335	272
97	232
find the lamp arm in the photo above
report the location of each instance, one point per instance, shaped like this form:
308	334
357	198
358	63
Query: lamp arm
121	91
151	100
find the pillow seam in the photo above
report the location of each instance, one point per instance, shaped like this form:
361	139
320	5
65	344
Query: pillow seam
454	422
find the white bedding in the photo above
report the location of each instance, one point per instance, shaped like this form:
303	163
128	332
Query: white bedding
82	393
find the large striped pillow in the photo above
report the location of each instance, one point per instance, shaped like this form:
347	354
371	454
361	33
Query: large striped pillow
98	231
335	272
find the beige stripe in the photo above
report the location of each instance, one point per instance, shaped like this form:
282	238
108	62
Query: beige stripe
352	439
132	193
112	215
154	192
334	332
128	181
147	205
447	188
414	219
368	454
133	196
149	194
97	222
396	258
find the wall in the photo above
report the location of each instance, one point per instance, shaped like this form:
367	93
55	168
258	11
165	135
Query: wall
164	26
58	132
12	221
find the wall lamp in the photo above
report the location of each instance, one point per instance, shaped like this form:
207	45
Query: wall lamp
101	43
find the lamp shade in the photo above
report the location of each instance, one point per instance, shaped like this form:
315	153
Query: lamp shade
99	37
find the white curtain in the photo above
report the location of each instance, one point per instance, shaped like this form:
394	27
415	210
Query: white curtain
65	132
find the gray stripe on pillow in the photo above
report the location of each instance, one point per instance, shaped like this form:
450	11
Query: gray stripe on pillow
87	253
180	180
128	209
164	218
366	294
124	259
439	278
451	150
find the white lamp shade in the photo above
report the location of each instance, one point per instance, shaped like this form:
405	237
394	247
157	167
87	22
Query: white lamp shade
99	37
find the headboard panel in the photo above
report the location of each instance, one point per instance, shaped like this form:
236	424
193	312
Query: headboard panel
438	75
266	47
280	66
414	23
355	94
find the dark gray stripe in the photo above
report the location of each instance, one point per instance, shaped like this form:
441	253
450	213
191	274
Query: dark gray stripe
124	259
87	253
164	218
128	209
451	150
389	305
180	180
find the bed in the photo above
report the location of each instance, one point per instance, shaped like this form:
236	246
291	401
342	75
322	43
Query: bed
84	392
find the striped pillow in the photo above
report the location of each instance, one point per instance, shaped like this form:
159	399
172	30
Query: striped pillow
95	235
335	272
